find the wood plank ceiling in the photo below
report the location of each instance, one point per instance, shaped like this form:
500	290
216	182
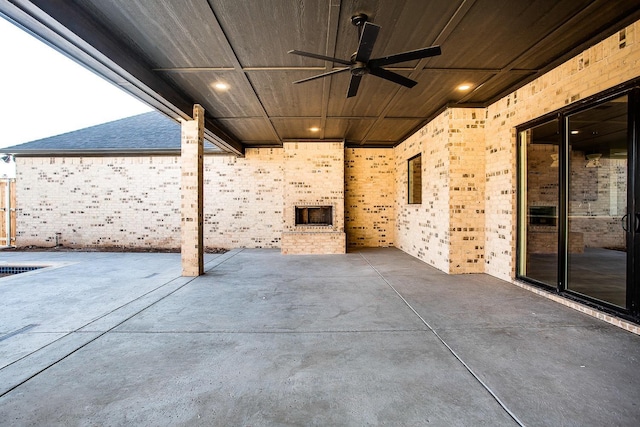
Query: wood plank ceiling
181	49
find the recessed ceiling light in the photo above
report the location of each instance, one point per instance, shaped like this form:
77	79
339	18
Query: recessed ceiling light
464	87
575	132
221	86
314	129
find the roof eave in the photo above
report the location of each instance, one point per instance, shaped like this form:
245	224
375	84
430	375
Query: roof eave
105	153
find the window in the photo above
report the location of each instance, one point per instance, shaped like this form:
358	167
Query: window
415	180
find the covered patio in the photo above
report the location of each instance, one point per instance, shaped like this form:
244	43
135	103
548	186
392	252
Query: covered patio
368	338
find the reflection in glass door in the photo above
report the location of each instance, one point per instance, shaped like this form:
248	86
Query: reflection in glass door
597	202
539	151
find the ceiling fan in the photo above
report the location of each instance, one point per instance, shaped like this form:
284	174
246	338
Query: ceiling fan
360	64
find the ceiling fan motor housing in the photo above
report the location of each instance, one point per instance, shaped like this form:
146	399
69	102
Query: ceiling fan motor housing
359	69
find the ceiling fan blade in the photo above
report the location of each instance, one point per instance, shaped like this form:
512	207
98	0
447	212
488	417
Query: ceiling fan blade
367	40
393	77
354	83
406	56
322	75
322	57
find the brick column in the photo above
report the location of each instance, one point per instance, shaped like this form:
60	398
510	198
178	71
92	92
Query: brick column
191	194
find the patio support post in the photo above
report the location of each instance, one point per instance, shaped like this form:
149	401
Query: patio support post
191	196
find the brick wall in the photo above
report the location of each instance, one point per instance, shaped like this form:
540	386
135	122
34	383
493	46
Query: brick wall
124	201
369	197
422	230
602	66
244	199
447	229
313	176
135	201
466	190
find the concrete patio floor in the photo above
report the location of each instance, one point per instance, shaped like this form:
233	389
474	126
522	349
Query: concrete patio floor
368	338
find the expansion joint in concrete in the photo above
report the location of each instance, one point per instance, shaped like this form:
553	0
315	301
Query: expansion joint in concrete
435	333
100	333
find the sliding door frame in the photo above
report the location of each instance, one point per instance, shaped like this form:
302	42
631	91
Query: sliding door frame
632	90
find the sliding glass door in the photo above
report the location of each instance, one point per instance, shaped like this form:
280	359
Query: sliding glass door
578	218
598	219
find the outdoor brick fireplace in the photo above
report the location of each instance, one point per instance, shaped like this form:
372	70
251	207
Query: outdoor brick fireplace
313	198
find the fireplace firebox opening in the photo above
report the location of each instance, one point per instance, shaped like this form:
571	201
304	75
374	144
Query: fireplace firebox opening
314	215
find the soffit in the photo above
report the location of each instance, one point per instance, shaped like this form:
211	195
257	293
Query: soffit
175	51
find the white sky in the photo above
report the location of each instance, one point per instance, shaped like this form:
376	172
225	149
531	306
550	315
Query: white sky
44	93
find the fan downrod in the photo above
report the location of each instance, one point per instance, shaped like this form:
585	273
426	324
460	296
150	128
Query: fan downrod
359	19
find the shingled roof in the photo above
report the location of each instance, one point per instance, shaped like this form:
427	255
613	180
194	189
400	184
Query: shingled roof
145	133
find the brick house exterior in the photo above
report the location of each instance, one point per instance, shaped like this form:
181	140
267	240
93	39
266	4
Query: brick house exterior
466	222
